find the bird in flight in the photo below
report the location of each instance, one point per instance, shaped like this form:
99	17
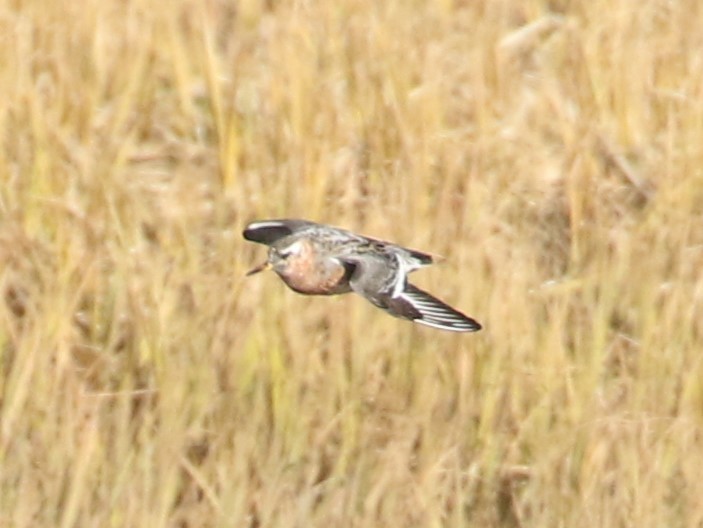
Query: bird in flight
317	259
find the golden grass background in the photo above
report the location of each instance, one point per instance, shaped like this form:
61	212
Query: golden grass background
551	151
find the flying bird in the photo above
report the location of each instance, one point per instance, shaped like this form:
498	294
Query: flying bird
317	259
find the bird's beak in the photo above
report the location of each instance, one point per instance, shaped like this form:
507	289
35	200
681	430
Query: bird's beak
262	267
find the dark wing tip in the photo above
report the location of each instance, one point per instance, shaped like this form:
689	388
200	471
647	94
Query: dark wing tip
269	231
437	314
424	258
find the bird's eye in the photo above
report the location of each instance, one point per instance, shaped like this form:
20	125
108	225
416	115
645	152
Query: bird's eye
286	252
280	254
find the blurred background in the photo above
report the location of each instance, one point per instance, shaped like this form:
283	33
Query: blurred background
551	151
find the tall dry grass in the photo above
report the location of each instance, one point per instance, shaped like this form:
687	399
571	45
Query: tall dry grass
551	151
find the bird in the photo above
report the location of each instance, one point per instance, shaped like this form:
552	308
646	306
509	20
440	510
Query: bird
319	259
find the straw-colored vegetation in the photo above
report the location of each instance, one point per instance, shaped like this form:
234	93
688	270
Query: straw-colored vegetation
551	151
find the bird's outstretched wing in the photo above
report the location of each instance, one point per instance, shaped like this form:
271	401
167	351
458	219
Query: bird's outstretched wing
382	280
270	231
434	312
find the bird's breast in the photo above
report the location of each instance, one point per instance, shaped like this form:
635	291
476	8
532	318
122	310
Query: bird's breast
309	277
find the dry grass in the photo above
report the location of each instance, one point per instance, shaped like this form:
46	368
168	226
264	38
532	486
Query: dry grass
552	151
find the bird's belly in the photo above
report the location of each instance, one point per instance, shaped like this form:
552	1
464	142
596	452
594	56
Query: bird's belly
317	285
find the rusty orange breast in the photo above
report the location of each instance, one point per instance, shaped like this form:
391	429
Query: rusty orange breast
309	274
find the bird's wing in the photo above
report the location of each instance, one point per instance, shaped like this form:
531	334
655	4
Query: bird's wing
270	231
373	275
413	258
436	313
382	279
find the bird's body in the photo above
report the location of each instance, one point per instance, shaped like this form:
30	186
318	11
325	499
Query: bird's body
316	259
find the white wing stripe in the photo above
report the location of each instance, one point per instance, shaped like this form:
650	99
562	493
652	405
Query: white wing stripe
260	225
435	313
401	277
443	326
